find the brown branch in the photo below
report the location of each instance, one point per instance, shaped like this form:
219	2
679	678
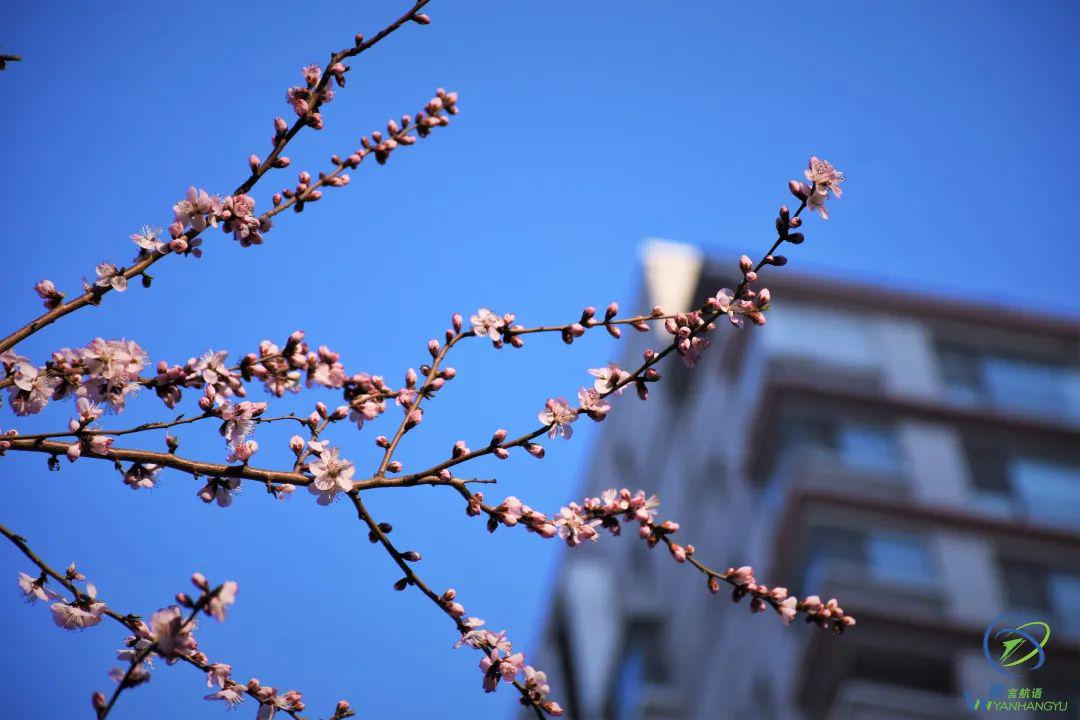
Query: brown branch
192	467
129	621
411	578
94	295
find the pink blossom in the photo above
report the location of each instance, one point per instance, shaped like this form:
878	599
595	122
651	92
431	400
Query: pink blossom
824	176
172	634
112	368
218	674
147	239
608	378
558	415
787	609
140	476
211	367
32	388
573	528
77	616
325	368
221	601
593	404
33	590
231	696
331	476
109	276
197	209
485	323
220	490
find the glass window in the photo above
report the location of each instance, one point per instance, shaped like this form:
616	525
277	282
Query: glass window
1034	387
888	557
628	688
1025	585
1048	490
900	559
978	378
821	333
930	673
858	444
869	447
643	663
1064	591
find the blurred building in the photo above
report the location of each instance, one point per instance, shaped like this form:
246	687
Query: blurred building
914	456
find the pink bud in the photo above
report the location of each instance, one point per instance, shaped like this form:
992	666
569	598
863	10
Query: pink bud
254	162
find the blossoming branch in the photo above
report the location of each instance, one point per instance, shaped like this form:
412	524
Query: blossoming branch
103	376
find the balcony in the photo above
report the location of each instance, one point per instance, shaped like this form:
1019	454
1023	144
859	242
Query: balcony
811	470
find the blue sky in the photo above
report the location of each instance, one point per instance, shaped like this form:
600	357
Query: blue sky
583	131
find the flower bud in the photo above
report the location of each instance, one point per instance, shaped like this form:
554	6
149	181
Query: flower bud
254	162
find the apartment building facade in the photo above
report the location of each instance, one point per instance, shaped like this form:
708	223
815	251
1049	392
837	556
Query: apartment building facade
914	456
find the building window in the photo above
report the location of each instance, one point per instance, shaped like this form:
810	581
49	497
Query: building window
642	664
1052	593
856	443
1041	485
981	379
931	674
824	334
885	557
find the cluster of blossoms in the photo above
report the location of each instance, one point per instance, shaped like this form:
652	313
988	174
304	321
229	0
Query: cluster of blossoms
238	421
198	210
500	663
104	372
306	100
82	612
828	615
576	524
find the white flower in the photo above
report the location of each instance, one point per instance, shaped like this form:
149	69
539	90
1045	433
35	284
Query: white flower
332	475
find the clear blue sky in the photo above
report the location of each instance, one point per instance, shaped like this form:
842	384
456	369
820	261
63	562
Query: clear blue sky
584	129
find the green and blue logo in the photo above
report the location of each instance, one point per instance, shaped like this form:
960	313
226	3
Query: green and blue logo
1012	647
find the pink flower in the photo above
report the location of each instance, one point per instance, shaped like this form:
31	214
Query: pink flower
33	590
32	388
231	696
487	324
78	616
197	209
218	674
326	369
108	275
225	597
332	475
824	176
172	635
816	202
575	529
147	239
211	367
593	404
558	415
112	369
239	423
536	680
725	299
608	378
219	489
140	476
787	609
